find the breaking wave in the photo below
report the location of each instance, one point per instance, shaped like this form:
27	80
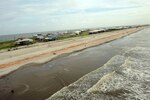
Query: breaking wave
125	76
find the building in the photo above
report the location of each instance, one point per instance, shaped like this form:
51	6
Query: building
97	31
24	41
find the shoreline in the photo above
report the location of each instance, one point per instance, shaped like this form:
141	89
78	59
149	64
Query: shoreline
65	69
74	46
105	81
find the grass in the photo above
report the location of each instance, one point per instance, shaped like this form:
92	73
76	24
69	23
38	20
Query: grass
11	44
7	44
66	36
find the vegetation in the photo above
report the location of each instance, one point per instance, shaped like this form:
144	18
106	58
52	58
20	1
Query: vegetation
66	36
7	44
11	44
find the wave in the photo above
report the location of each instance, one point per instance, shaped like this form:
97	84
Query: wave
125	76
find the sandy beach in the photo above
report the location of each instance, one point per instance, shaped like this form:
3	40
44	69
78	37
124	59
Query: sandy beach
43	52
40	81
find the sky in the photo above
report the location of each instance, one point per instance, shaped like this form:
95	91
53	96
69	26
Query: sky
23	16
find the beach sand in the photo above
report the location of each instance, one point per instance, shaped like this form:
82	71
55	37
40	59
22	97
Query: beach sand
41	53
39	81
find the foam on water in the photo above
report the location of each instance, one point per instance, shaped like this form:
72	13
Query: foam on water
125	76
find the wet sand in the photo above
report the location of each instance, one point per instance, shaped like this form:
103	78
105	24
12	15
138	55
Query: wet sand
124	77
45	79
12	60
40	81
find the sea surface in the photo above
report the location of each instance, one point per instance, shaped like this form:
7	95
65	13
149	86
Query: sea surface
40	81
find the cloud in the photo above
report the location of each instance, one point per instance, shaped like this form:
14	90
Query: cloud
39	15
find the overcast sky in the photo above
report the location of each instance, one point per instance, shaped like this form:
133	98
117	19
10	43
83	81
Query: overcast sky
21	16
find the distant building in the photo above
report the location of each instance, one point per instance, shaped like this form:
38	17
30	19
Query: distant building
50	37
39	37
96	31
77	32
24	41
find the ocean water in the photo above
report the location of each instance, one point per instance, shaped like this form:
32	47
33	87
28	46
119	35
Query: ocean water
62	71
124	77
